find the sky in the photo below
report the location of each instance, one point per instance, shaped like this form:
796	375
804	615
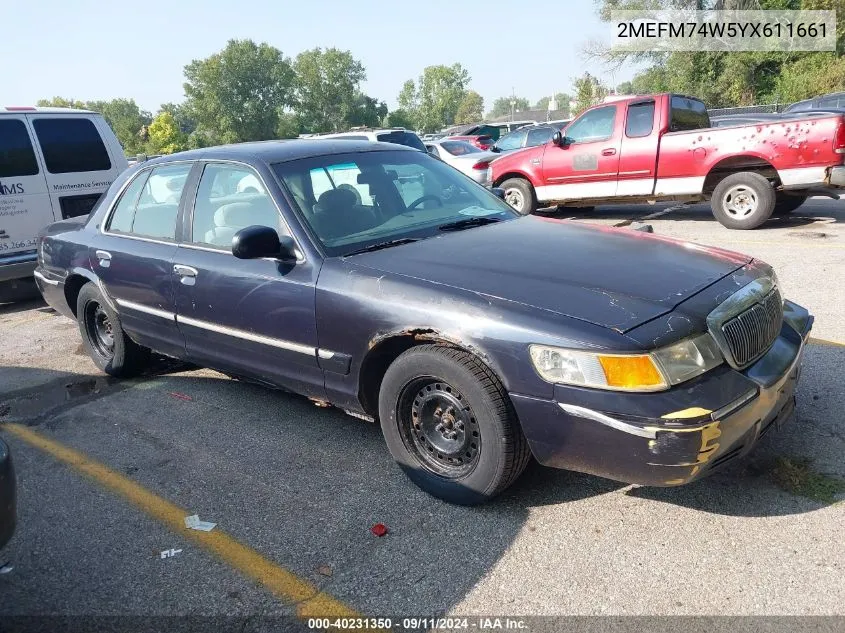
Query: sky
91	50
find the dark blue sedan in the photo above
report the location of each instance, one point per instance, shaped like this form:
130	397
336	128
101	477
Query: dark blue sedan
379	280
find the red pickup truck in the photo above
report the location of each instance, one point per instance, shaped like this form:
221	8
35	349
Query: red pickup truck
662	148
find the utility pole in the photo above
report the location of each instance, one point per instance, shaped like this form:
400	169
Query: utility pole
513	101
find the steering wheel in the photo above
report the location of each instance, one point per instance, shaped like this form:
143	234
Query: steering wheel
414	204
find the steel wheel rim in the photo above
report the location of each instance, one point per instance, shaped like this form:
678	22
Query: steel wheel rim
439	427
740	201
515	198
100	329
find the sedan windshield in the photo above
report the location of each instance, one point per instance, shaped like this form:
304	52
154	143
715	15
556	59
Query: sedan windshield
359	200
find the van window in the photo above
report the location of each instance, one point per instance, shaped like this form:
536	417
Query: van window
17	158
124	211
71	145
688	114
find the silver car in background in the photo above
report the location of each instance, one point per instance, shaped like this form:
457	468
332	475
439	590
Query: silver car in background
464	157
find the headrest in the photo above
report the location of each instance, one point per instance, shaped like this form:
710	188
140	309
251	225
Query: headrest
335	200
234	214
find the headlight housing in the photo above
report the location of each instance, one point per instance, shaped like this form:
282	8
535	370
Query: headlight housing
654	371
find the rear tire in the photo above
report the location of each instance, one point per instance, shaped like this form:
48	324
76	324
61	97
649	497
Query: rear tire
743	201
449	424
104	339
520	195
786	204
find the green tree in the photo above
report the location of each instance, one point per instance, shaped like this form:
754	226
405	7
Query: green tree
399	118
124	117
327	88
562	100
61	102
588	92
182	115
164	135
367	111
433	101
289	125
471	108
240	93
502	106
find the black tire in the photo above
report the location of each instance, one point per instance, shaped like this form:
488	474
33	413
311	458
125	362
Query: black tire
522	198
786	204
98	324
488	451
743	201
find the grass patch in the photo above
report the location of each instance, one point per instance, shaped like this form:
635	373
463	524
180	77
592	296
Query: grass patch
797	477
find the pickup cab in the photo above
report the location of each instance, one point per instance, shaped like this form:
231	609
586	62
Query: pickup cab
655	148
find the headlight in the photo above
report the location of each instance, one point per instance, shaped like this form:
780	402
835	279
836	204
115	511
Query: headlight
655	371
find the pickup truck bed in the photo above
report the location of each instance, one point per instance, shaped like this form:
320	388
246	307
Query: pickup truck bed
661	148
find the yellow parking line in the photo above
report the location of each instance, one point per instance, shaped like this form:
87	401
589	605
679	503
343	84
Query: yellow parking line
309	600
821	341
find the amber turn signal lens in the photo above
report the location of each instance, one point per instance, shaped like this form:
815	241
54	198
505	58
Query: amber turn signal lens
629	372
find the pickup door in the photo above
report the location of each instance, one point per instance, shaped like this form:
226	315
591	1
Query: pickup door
587	166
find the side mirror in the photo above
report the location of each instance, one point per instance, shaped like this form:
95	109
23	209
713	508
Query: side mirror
254	242
560	140
498	192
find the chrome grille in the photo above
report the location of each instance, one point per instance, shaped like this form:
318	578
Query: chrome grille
751	333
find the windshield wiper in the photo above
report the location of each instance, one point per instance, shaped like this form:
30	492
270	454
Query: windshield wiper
381	245
460	225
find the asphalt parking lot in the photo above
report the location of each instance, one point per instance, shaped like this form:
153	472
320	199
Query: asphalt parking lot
107	470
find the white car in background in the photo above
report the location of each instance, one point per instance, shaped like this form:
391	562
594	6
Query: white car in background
464	157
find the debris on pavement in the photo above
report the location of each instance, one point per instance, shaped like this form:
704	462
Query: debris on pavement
5	568
379	529
324	570
180	396
639	226
193	523
170	553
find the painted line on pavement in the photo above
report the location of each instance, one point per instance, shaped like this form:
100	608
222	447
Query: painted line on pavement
309	600
821	341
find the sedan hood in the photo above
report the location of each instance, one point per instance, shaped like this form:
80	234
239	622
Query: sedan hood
615	278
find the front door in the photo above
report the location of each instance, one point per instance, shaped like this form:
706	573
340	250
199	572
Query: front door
254	318
133	256
589	165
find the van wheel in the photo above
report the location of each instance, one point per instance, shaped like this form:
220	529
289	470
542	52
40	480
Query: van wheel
743	201
104	339
786	204
450	425
520	195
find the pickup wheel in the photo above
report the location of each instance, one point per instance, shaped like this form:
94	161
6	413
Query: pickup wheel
450	425
786	204
743	201
520	195
104	339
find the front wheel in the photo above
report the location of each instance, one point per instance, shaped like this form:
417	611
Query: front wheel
743	201
450	425
104	339
520	195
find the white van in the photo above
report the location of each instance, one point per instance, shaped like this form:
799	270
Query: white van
54	164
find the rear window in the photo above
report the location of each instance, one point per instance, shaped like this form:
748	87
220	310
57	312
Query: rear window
688	114
402	138
71	145
17	158
459	148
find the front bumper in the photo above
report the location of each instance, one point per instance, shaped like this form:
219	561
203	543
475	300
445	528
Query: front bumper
7	495
672	437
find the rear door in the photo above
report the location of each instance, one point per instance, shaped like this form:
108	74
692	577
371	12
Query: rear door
133	255
589	165
24	201
79	167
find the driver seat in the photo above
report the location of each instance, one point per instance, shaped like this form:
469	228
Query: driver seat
338	214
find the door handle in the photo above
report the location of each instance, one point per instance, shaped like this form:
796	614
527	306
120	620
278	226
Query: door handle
187	274
608	152
104	258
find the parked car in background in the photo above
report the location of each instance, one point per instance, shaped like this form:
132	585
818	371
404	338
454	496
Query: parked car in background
662	147
834	100
484	135
529	136
464	157
7	495
55	163
399	136
475	337
559	124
